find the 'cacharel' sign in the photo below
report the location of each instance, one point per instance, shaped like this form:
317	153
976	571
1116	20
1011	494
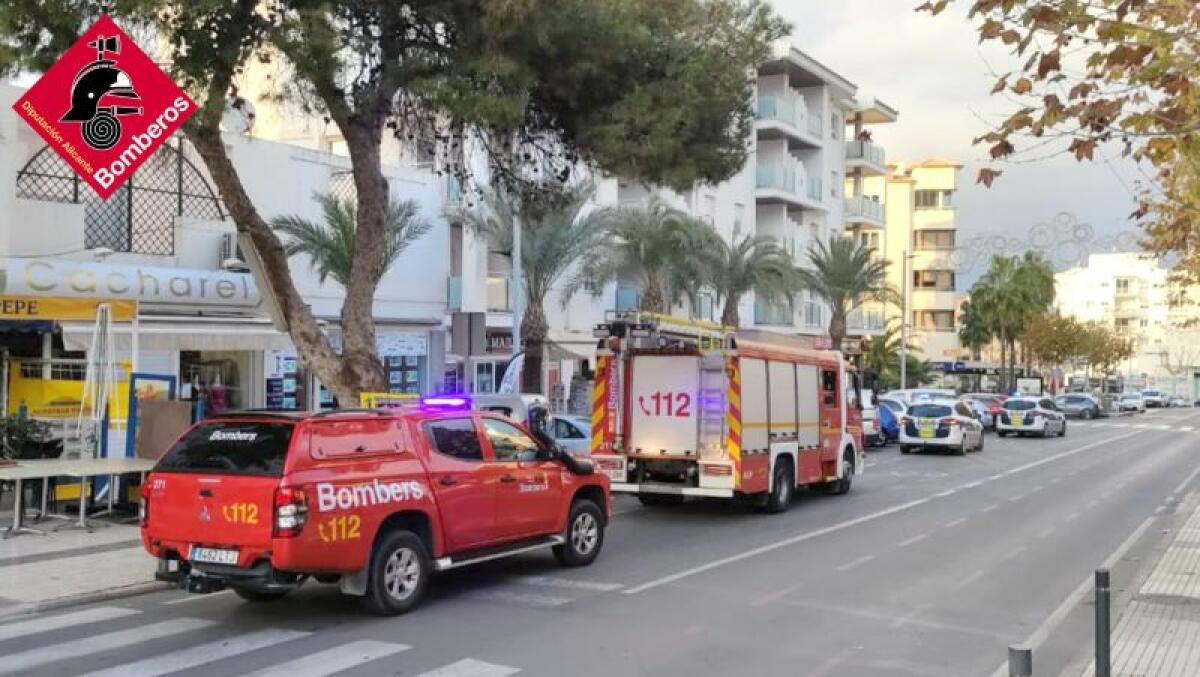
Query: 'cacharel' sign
184	286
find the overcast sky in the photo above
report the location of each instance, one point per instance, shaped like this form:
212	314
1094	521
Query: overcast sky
934	72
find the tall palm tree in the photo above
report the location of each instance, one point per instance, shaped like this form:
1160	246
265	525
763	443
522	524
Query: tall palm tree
656	242
1012	292
973	331
881	356
329	244
756	263
844	275
552	241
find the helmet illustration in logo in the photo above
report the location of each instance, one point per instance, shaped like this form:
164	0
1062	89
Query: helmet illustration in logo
92	94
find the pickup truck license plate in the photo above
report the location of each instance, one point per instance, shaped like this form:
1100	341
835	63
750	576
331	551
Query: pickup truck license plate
214	556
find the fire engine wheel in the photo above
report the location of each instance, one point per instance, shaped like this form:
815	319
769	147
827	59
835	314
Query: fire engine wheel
399	575
783	485
584	534
660	500
842	484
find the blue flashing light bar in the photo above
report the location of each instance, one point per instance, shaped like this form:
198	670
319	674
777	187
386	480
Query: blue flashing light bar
446	402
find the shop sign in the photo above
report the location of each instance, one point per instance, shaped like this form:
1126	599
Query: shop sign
91	280
105	107
402	344
62	309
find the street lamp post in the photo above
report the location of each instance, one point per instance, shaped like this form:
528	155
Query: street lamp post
904	266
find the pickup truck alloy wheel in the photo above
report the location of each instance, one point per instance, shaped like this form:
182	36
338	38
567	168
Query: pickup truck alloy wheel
584	535
399	576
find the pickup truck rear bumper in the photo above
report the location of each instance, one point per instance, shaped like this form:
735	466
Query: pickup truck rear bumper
204	578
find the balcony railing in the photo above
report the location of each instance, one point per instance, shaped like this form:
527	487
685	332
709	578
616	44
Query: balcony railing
814	125
454	293
865	150
813	189
863	207
791	109
789	177
499	297
772	314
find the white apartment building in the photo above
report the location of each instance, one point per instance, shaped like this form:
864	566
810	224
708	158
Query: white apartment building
919	241
1133	294
165	241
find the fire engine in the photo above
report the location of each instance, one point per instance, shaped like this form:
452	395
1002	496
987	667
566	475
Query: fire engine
681	408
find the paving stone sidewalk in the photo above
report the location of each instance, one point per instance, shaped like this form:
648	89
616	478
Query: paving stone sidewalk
1159	632
71	566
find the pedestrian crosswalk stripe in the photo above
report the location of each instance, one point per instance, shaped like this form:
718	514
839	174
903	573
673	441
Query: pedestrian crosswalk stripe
201	654
333	660
523	598
469	667
33	626
1164	427
1120	425
24	661
1187	428
568	583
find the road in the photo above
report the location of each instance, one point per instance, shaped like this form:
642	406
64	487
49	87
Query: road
932	565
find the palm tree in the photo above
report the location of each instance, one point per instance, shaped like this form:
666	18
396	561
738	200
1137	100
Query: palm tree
844	275
329	244
1012	292
881	356
552	241
756	263
973	331
658	243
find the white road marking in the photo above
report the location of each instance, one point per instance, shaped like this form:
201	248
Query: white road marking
853	563
970	579
1092	503
1141	426
1016	497
32	626
953	523
567	583
1047	532
1187	481
948	492
24	661
1120	425
776	595
915	539
1164	427
1160	510
902	620
989	508
972	485
333	660
1039	635
1072	517
846	524
1014	552
192	597
528	599
1186	428
469	667
201	654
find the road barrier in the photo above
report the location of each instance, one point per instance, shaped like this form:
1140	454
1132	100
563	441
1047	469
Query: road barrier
1103	624
1020	661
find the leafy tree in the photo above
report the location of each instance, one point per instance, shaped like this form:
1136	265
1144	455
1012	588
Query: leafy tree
650	90
664	247
552	241
1091	72
330	245
845	275
1104	349
1052	340
756	263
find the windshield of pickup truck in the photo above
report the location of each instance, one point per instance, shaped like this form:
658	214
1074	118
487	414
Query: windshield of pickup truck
230	447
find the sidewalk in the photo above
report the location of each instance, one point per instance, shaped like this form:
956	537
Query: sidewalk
71	566
1158	633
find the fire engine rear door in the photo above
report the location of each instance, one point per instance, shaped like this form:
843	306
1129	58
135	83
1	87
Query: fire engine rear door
662	404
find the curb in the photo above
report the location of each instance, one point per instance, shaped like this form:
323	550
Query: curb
86	598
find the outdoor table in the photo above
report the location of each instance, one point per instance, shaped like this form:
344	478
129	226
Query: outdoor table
82	468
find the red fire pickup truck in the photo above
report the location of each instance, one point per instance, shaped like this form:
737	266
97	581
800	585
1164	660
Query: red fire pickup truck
375	500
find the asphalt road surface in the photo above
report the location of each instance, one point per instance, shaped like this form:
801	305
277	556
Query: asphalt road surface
932	565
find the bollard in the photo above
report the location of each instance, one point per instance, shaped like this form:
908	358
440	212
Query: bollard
1103	625
1020	661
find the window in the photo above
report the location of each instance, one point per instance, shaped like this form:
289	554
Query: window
835	126
833	184
355	438
509	443
739	219
1018	405
456	437
565	430
1123	285
930	411
705	307
933	199
829	386
230	448
962	410
934	320
710	209
485	377
935	239
1046	404
938	280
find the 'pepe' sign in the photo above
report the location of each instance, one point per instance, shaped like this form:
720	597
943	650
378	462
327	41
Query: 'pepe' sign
105	107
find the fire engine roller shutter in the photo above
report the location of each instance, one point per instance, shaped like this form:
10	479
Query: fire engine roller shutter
782	383
810	427
755	423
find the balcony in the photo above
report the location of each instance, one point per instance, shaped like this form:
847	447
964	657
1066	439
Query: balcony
788	183
772	314
499	295
936	218
864	210
786	117
454	293
867	156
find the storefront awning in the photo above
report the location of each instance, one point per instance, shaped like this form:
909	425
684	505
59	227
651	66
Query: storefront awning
166	332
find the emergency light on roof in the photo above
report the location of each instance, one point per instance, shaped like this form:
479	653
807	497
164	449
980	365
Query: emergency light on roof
445	402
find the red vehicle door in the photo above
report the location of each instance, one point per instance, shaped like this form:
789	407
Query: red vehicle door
460	478
528	489
830	407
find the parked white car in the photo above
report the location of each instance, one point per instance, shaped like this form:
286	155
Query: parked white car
942	423
573	434
872	435
1154	398
1031	416
1132	402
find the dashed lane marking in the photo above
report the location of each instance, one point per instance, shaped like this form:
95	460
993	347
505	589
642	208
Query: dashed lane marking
854	563
915	539
970	579
953	523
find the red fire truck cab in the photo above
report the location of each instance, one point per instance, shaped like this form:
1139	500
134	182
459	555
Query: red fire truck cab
692	409
375	500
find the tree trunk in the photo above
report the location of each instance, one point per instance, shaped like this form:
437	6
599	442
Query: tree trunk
730	316
654	299
1003	379
837	327
534	330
